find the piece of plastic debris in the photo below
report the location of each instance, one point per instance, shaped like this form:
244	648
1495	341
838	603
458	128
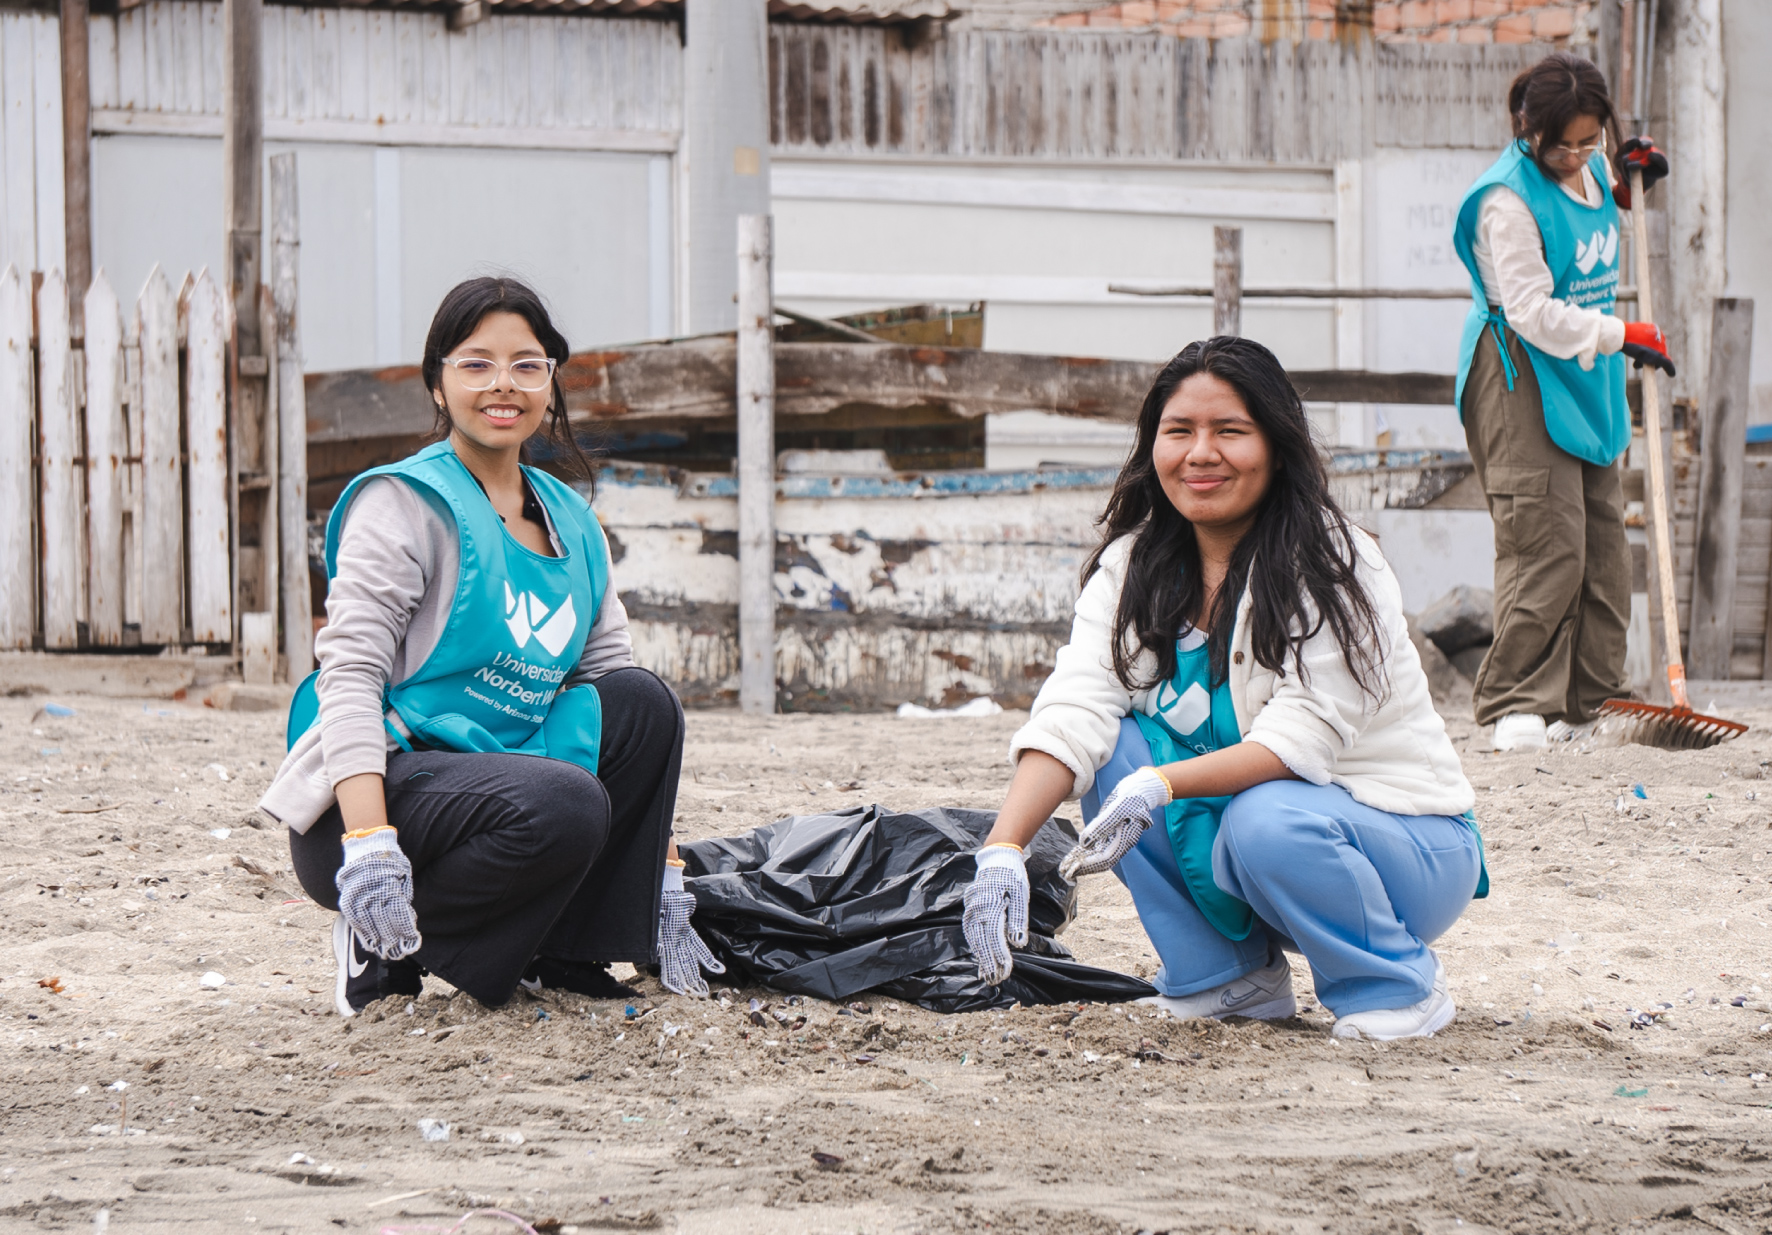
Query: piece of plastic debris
59	710
212	980
433	1129
117	1086
55	987
221	773
300	1159
1624	1092
633	1119
221	833
50	750
541	1014
1638	790
984	705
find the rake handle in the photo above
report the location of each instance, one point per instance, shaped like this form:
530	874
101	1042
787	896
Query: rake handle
1658	511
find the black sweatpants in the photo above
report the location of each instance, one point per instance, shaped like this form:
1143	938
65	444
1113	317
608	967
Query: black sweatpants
514	855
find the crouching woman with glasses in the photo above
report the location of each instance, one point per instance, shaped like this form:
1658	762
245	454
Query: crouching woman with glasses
479	779
1249	727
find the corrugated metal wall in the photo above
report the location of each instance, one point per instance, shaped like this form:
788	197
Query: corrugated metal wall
1046	94
398	78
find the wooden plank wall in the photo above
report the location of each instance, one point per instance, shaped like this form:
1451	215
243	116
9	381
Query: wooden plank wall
1754	552
1043	94
32	228
397	77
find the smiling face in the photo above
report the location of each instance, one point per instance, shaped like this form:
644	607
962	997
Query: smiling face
1211	458
501	418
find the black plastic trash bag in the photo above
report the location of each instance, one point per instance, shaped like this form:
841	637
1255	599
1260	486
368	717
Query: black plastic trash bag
869	899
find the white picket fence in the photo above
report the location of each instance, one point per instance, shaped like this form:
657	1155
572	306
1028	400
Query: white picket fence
115	512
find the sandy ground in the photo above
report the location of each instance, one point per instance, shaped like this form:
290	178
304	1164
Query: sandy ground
1600	1075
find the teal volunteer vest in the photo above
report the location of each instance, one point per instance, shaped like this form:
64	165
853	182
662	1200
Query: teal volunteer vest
1584	409
1193	717
517	627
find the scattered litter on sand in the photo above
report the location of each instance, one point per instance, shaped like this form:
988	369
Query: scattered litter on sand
1609	1061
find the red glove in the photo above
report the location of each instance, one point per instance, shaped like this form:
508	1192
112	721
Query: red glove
1638	154
1646	344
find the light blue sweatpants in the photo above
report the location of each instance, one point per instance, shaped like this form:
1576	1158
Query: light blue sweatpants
1361	893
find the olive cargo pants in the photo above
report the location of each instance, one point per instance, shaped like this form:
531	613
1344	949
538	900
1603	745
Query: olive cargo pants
1562	567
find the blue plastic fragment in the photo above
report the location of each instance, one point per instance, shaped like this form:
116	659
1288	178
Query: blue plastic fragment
541	1014
1638	790
58	709
629	1012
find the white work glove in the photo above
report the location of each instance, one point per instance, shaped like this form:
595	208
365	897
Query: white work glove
1123	819
375	894
681	953
996	913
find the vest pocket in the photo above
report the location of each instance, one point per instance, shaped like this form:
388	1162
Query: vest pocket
1517	481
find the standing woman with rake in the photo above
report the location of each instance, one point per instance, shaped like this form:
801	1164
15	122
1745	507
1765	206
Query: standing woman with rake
1541	391
1240	675
479	778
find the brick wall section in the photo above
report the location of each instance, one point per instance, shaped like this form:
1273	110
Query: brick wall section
1559	22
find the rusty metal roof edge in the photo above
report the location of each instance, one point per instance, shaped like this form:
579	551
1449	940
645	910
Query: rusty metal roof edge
855	12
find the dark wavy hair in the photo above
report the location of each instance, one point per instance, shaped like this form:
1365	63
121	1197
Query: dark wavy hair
467	305
1547	97
1297	559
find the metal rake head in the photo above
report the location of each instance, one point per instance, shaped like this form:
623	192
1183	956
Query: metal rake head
1671	728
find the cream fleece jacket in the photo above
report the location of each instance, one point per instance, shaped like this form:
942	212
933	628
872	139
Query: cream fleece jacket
1392	755
399	557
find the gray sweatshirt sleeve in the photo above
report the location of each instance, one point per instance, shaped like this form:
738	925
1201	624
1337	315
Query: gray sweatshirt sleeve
610	645
382	580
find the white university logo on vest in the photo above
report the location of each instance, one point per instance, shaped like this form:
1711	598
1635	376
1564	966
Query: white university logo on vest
527	616
1596	251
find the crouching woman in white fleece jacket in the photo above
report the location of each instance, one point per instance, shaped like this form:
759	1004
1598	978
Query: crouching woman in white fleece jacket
1240	675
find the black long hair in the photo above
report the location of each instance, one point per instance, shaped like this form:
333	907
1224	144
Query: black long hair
1548	96
467	305
1297	559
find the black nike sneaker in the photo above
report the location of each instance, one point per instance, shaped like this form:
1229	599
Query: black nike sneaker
364	977
593	981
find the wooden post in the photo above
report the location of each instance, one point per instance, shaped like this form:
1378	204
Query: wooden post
269	549
18	541
160	536
76	154
105	452
206	444
242	154
58	431
252	484
1711	638
1227	280
292	421
756	466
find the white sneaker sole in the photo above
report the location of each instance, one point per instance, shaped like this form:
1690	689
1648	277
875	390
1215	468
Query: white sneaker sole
341	955
1442	1017
1277	1004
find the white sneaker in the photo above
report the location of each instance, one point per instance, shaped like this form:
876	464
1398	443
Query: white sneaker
1519	731
1418	1020
1265	995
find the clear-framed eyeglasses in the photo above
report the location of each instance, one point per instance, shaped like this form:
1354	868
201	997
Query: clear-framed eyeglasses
1583	152
477	373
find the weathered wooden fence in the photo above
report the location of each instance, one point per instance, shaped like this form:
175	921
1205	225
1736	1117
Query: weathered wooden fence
115	522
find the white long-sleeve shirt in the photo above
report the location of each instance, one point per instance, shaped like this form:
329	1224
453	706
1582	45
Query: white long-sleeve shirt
1510	257
1390	753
